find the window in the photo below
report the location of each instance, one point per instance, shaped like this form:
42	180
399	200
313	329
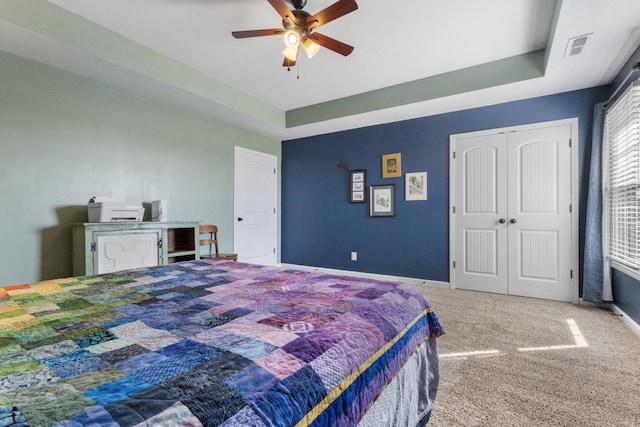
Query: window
622	178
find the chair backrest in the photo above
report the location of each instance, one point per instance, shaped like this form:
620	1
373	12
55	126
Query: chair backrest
212	239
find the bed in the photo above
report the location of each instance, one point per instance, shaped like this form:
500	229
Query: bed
213	343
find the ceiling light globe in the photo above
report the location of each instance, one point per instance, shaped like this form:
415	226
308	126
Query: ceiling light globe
310	48
291	39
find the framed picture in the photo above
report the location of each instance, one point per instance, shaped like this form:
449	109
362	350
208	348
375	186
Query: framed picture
358	186
415	186
391	165
382	200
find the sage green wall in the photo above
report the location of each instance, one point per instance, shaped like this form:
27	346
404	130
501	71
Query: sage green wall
64	139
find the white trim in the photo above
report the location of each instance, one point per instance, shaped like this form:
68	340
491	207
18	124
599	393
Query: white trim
575	203
627	320
452	216
410	280
631	272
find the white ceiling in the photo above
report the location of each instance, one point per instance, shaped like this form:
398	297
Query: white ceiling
395	42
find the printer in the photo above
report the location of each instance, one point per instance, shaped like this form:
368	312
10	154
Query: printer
110	209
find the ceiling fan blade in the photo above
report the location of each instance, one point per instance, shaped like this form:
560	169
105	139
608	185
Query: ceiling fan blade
332	44
257	33
281	7
335	11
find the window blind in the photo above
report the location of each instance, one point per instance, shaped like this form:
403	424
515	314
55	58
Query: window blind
622	189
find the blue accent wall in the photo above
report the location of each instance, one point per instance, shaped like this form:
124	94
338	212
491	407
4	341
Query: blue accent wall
626	290
321	228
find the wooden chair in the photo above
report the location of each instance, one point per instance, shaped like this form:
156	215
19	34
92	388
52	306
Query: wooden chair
212	240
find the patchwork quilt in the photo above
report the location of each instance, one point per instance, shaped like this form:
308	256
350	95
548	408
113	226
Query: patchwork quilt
206	343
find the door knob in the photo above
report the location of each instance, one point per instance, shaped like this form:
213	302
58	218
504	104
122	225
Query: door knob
239	219
513	220
502	220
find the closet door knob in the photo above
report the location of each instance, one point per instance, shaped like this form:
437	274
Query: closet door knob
513	220
502	220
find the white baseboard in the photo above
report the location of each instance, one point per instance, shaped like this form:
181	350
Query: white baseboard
410	280
627	320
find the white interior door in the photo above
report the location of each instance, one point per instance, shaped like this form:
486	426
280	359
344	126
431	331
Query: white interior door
481	203
540	213
513	228
255	201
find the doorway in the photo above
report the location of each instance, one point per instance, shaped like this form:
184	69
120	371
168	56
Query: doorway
513	219
255	198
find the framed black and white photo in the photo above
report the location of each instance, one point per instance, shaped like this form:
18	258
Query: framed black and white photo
382	200
415	186
358	186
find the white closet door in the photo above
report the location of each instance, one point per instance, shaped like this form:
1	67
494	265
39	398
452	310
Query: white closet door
540	204
481	202
512	227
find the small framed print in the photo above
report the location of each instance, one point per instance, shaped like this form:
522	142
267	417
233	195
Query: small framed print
358	186
391	165
382	201
415	186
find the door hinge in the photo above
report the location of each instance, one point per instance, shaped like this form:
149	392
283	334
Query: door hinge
454	264
572	274
93	247
160	243
274	171
453	209
454	154
571	208
274	210
274	250
569	142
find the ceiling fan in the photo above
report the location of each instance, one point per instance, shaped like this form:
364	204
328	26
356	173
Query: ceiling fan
298	27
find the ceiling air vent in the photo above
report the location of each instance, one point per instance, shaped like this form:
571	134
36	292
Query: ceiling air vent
576	45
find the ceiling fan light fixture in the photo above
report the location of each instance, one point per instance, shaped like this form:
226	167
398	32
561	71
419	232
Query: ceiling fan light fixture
310	48
291	39
298	26
291	53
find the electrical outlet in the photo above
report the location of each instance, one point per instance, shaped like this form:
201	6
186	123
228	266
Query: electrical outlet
354	256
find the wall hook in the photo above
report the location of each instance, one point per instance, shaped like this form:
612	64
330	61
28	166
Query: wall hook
344	164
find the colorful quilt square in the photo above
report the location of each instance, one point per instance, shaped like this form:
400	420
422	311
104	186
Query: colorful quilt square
42	406
123	353
251	381
226	364
141	361
292	398
94	416
97	336
76	363
221	403
114	391
281	364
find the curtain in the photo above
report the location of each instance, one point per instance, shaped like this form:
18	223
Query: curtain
597	272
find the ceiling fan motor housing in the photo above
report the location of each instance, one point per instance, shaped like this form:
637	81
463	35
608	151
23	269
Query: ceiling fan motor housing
298	4
299	23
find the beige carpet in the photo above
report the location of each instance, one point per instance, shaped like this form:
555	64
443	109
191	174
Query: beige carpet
512	361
